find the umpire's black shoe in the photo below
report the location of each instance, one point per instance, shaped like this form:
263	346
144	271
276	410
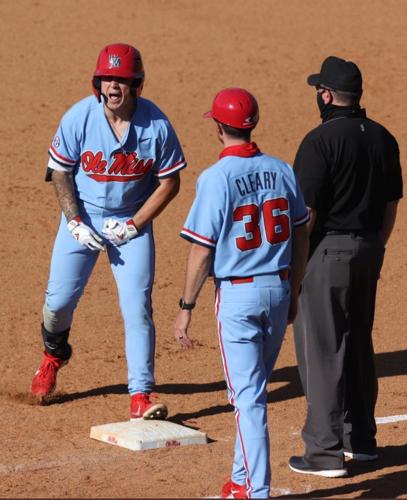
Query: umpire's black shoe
299	464
361	457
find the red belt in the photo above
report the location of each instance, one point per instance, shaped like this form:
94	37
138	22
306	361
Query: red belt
238	281
283	273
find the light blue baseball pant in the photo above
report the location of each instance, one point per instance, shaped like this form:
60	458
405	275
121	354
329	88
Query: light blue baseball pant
132	265
252	319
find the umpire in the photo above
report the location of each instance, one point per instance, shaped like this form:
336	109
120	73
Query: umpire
349	171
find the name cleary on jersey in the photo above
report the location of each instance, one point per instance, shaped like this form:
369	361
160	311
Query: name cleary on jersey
125	167
256	181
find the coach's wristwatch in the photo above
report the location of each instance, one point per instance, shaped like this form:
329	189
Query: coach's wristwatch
184	305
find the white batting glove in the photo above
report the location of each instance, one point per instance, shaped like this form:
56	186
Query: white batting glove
119	232
85	235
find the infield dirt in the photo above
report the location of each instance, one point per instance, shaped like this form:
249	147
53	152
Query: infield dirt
191	49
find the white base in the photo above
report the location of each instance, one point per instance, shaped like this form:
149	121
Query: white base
142	434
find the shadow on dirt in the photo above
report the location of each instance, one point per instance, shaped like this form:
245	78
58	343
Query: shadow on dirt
392	485
61	397
388	364
391	364
179	418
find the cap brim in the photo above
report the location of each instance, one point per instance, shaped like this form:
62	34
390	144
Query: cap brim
208	114
314	80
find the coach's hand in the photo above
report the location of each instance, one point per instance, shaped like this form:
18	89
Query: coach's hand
119	232
181	328
85	235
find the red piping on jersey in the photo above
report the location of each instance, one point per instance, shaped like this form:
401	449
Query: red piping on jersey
188	231
244	150
115	178
302	220
67	160
170	168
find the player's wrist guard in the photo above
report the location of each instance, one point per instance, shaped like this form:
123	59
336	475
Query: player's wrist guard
131	228
119	232
74	222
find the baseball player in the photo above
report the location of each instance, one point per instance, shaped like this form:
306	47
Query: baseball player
114	162
247	227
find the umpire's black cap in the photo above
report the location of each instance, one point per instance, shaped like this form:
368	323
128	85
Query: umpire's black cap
338	74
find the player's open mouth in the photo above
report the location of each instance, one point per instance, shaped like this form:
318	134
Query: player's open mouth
114	97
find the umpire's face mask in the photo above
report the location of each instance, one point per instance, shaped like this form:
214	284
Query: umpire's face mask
323	107
320	102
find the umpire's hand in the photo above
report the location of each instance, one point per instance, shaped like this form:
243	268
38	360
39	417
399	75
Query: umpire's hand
181	328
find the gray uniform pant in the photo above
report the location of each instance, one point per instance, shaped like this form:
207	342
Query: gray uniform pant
333	339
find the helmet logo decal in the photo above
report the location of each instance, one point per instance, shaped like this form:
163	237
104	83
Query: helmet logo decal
114	61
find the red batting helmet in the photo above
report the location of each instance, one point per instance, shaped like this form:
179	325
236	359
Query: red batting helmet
121	60
235	107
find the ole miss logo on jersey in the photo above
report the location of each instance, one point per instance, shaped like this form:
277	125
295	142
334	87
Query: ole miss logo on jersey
124	167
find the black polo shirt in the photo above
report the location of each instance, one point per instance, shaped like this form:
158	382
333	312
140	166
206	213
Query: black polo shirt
348	169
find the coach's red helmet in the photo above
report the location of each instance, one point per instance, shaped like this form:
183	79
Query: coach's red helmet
121	60
235	107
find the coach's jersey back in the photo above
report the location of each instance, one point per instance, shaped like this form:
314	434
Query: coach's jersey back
110	174
245	208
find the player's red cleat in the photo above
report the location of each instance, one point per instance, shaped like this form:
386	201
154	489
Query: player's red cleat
142	407
45	378
233	490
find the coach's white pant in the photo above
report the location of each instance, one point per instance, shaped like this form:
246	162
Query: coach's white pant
252	319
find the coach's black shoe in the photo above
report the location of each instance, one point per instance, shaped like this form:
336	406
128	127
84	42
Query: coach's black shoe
299	464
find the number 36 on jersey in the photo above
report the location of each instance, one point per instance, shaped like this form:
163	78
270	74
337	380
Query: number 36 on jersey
276	223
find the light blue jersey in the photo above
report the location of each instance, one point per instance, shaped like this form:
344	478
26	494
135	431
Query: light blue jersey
246	206
112	178
108	174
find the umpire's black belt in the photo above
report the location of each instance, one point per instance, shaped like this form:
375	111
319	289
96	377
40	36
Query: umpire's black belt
352	234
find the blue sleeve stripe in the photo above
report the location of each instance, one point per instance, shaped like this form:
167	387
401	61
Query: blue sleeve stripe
197	238
56	165
188	238
61	159
170	170
302	220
